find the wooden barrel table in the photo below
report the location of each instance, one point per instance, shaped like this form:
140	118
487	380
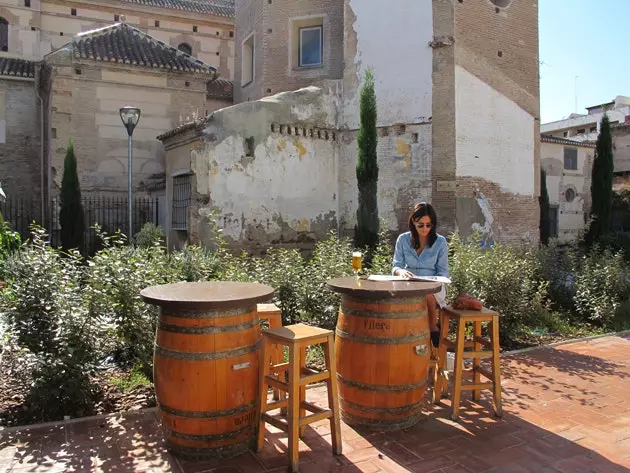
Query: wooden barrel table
205	365
382	351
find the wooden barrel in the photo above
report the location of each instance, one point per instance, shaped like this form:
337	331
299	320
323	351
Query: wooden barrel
205	371
382	350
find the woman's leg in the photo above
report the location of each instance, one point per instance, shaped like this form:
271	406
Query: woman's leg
433	312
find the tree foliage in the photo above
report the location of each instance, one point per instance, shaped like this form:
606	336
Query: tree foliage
71	216
601	186
545	224
366	230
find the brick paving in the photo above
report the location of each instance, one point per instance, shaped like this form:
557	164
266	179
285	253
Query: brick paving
566	409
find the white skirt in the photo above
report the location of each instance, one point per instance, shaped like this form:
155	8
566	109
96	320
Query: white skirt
440	297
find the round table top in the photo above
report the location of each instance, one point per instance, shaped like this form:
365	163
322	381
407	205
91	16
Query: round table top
207	295
382	289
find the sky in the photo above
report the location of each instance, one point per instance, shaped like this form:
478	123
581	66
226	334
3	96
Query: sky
588	39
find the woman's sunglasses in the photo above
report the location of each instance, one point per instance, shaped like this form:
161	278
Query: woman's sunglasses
423	225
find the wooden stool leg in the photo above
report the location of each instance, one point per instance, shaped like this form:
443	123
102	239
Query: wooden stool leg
263	370
275	360
294	406
459	367
439	380
476	394
496	366
302	389
333	395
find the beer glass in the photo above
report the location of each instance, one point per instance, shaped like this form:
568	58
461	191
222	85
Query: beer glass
356	263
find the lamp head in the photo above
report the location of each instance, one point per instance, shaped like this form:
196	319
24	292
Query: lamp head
130	117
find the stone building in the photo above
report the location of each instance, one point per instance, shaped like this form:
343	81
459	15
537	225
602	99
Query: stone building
585	127
66	67
458	120
568	165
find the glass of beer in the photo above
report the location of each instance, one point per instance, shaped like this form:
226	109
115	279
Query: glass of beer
356	263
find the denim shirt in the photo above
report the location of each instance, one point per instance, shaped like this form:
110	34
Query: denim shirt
433	261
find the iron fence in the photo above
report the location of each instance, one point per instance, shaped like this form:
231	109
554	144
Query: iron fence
110	213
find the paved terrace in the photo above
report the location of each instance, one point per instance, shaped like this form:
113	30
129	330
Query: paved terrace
566	409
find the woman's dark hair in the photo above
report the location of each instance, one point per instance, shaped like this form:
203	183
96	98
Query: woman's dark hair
420	210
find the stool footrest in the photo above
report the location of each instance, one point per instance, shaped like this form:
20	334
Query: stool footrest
484	372
477	354
473	387
327	414
282	367
313	376
272	406
276	383
277	423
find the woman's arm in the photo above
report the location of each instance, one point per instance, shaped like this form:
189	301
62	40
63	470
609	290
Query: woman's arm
399	256
441	265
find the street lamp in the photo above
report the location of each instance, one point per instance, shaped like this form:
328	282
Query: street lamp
130	117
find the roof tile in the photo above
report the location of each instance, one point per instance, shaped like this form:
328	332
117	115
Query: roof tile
220	89
214	7
10	66
125	44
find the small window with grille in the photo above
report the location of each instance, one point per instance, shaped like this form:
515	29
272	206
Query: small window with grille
181	201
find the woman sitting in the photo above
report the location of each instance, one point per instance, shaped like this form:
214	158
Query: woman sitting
423	252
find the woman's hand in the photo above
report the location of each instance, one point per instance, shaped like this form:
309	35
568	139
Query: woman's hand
404	273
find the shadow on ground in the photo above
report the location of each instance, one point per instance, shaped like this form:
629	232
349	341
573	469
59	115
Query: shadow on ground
565	410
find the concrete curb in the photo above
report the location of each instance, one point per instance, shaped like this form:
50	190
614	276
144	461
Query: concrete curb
58	423
566	342
18	428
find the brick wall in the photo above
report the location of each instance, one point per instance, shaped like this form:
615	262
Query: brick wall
273	26
20	152
497	117
248	20
281	71
443	118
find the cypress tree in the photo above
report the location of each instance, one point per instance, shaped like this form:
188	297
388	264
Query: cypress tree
71	215
543	201
601	185
366	230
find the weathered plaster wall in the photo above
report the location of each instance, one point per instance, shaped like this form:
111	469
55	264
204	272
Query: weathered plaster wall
269	169
571	215
405	167
487	145
402	68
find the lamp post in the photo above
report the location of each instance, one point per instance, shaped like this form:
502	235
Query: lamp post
130	117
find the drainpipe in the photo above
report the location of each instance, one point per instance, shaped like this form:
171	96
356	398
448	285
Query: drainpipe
41	145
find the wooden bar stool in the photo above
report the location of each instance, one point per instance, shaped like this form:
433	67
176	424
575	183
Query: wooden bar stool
273	315
462	317
298	337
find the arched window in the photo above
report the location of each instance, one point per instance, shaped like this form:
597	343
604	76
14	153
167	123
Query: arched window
185	48
4	34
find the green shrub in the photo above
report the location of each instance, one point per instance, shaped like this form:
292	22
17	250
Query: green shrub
601	285
47	312
10	242
149	235
503	278
332	258
115	277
